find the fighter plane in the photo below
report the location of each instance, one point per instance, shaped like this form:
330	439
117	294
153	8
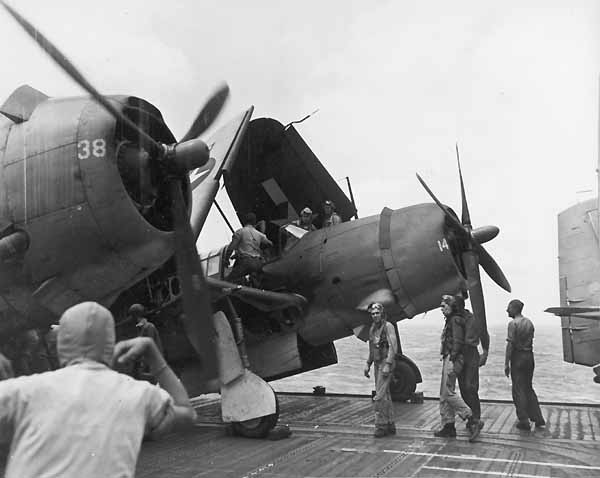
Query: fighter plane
94	210
579	284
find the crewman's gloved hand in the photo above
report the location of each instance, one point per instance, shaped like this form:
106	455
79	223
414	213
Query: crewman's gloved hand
366	371
385	371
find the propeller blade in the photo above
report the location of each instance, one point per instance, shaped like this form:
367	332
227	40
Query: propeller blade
491	267
452	219
208	113
466	217
475	290
147	141
197	317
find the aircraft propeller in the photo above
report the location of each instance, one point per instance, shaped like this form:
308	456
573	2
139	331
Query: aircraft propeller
472	252
175	161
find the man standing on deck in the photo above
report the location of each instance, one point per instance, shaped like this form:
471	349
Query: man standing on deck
144	326
383	347
467	334
519	365
451	404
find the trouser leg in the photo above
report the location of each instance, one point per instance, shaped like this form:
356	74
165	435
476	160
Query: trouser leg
533	406
451	404
519	375
382	402
239	270
245	265
468	381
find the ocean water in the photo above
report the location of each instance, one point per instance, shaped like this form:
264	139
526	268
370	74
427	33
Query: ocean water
554	380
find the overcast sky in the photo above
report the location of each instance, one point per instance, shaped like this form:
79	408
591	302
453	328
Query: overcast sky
396	83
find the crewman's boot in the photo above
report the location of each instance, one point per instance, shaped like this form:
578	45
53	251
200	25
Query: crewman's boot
475	429
447	431
524	425
391	428
540	423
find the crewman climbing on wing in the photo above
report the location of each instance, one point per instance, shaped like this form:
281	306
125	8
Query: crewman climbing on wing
330	218
383	347
247	243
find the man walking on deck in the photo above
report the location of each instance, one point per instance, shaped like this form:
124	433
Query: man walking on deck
467	333
519	365
451	404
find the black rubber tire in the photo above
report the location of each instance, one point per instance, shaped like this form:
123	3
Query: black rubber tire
259	427
404	382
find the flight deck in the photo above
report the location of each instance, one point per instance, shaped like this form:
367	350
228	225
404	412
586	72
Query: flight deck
332	436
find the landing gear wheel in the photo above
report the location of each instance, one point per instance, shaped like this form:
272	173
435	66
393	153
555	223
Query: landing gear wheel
404	382
257	427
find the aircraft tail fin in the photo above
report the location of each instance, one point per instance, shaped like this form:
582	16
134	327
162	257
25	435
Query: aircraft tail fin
579	286
204	181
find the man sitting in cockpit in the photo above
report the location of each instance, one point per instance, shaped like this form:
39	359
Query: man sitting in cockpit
304	222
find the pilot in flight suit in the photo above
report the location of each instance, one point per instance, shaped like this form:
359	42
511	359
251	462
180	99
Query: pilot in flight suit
383	347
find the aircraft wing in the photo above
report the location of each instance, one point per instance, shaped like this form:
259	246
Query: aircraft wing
224	146
579	283
279	175
264	300
20	104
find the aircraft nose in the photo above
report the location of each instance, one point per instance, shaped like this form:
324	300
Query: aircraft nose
417	258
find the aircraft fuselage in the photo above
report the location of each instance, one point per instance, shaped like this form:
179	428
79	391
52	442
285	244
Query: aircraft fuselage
62	185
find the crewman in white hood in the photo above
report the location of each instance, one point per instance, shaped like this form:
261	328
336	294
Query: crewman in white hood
86	419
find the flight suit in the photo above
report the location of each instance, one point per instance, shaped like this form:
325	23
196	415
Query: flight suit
332	220
383	347
467	336
451	404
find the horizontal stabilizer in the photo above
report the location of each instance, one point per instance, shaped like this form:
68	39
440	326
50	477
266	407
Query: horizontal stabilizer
21	103
590	312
